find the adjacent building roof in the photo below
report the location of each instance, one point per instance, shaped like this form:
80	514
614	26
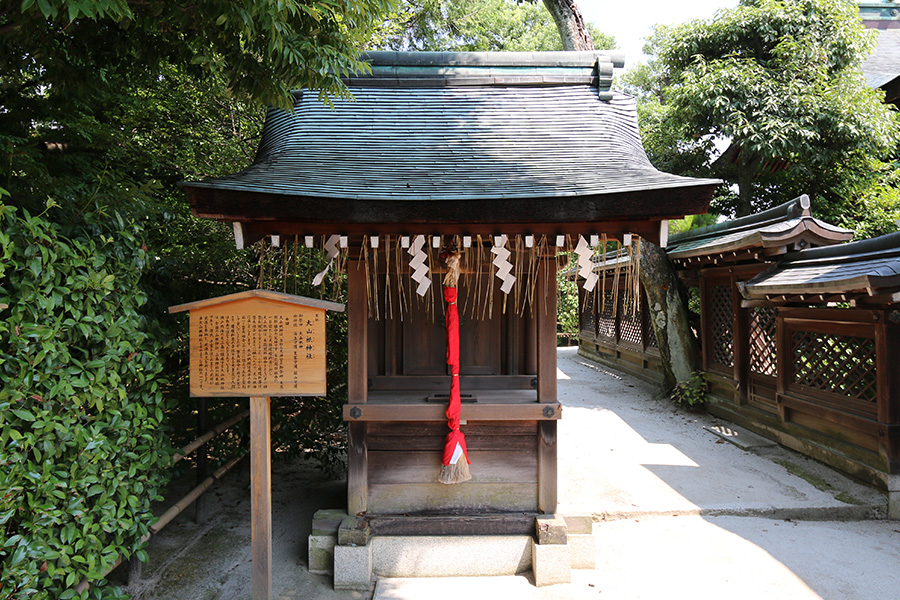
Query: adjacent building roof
868	270
511	138
879	14
882	67
761	236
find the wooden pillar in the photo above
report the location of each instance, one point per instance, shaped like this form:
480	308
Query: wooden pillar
887	348
741	347
783	359
531	341
202	466
260	498
545	314
357	332
357	385
705	323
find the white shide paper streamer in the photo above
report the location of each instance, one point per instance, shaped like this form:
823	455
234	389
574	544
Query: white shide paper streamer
501	261
417	263
585	265
331	252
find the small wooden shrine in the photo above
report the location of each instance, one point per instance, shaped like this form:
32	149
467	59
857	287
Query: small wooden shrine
509	160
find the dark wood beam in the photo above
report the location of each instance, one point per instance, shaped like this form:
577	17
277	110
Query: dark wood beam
638	212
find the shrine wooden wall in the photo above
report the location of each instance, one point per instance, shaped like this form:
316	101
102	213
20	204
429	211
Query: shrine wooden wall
395	457
493	341
405	460
820	380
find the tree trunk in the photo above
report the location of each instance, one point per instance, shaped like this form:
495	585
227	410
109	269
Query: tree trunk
678	347
746	172
667	305
570	23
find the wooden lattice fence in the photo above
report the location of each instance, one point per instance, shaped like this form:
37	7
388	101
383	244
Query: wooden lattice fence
812	375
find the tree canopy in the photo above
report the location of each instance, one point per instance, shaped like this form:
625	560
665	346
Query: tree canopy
105	105
781	82
475	26
259	49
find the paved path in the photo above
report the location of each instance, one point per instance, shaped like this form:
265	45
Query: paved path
679	513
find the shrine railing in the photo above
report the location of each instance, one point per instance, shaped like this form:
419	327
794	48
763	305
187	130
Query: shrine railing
820	374
611	325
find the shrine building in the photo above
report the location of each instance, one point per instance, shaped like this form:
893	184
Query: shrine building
509	161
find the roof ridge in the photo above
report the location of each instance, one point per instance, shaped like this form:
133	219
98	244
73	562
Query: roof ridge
798	207
888	244
560	58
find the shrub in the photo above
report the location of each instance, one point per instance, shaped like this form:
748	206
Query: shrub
690	393
82	447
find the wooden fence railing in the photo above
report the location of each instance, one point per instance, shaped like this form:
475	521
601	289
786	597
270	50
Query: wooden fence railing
815	378
204	482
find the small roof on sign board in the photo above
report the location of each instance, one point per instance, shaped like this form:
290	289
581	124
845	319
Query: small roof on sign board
262	294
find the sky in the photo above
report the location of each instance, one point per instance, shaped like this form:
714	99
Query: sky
631	23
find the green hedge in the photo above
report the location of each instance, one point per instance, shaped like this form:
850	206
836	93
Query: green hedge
82	444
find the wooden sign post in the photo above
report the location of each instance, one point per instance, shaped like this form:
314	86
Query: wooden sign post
258	344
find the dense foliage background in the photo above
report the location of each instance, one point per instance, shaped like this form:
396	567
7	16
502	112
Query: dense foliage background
106	106
780	85
82	404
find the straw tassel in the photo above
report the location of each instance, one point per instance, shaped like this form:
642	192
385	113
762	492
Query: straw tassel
455	461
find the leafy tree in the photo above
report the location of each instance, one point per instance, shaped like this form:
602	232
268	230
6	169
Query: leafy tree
474	26
782	82
106	105
261	50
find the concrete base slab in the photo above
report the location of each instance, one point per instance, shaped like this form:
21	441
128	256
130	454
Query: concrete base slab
739	436
551	564
583	548
353	568
450	556
519	587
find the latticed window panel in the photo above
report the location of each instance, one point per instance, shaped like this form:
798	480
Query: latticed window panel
587	313
606	322
762	341
629	320
721	330
839	364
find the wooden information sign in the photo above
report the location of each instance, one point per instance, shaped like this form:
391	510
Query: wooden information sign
257	343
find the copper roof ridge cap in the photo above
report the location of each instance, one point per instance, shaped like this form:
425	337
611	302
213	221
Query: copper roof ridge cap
791	209
885	246
560	58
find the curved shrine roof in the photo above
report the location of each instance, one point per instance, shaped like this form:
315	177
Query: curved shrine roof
868	270
446	129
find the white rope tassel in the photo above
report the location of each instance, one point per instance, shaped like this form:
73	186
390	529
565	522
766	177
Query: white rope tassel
331	251
417	264
501	261
585	265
